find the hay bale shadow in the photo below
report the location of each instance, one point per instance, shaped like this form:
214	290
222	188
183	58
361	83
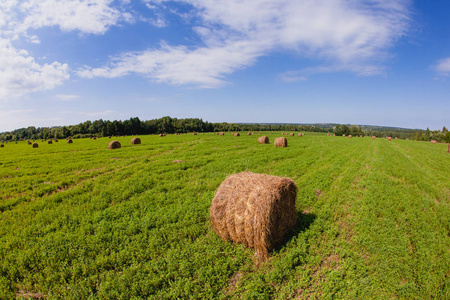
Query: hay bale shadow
304	221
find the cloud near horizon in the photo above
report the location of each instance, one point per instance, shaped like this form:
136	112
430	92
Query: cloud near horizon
344	35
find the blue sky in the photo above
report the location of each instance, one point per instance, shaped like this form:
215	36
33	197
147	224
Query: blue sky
378	62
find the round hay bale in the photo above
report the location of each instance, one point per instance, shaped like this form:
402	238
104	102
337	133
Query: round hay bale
69	141
35	145
1	146
56	140
350	136
29	143
237	134
433	142
448	148
389	138
373	137
300	135
396	138
161	135
256	210
114	145
50	142
222	133
249	133
343	135
135	141
94	138
263	140
292	134
280	142
194	133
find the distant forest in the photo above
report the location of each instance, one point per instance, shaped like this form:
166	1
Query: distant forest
168	125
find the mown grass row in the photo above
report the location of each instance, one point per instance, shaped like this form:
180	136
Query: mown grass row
79	221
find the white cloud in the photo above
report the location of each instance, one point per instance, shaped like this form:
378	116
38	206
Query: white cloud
20	74
344	35
443	66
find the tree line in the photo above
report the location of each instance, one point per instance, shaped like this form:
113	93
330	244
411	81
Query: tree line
134	126
442	136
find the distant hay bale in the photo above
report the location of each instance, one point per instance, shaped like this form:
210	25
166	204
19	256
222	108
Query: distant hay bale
114	145
29	143
69	141
222	133
343	135
1	146
396	138
56	141
334	134
50	142
161	135
135	141
256	210
194	133
109	137
35	145
237	134
389	138
300	134
280	142
94	138
263	140
292	134
350	136
433	142
282	133
249	133
373	137
448	148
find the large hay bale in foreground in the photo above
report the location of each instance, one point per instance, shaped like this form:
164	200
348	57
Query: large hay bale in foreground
1	146
256	210
280	142
135	141
35	145
114	145
263	140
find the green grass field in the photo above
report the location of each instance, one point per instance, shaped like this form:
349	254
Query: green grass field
79	221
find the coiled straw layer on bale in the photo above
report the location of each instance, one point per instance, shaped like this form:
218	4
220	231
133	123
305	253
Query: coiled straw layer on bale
256	210
263	140
280	142
114	145
135	141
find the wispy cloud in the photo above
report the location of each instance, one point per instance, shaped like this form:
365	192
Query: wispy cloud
443	66
67	97
345	35
20	73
